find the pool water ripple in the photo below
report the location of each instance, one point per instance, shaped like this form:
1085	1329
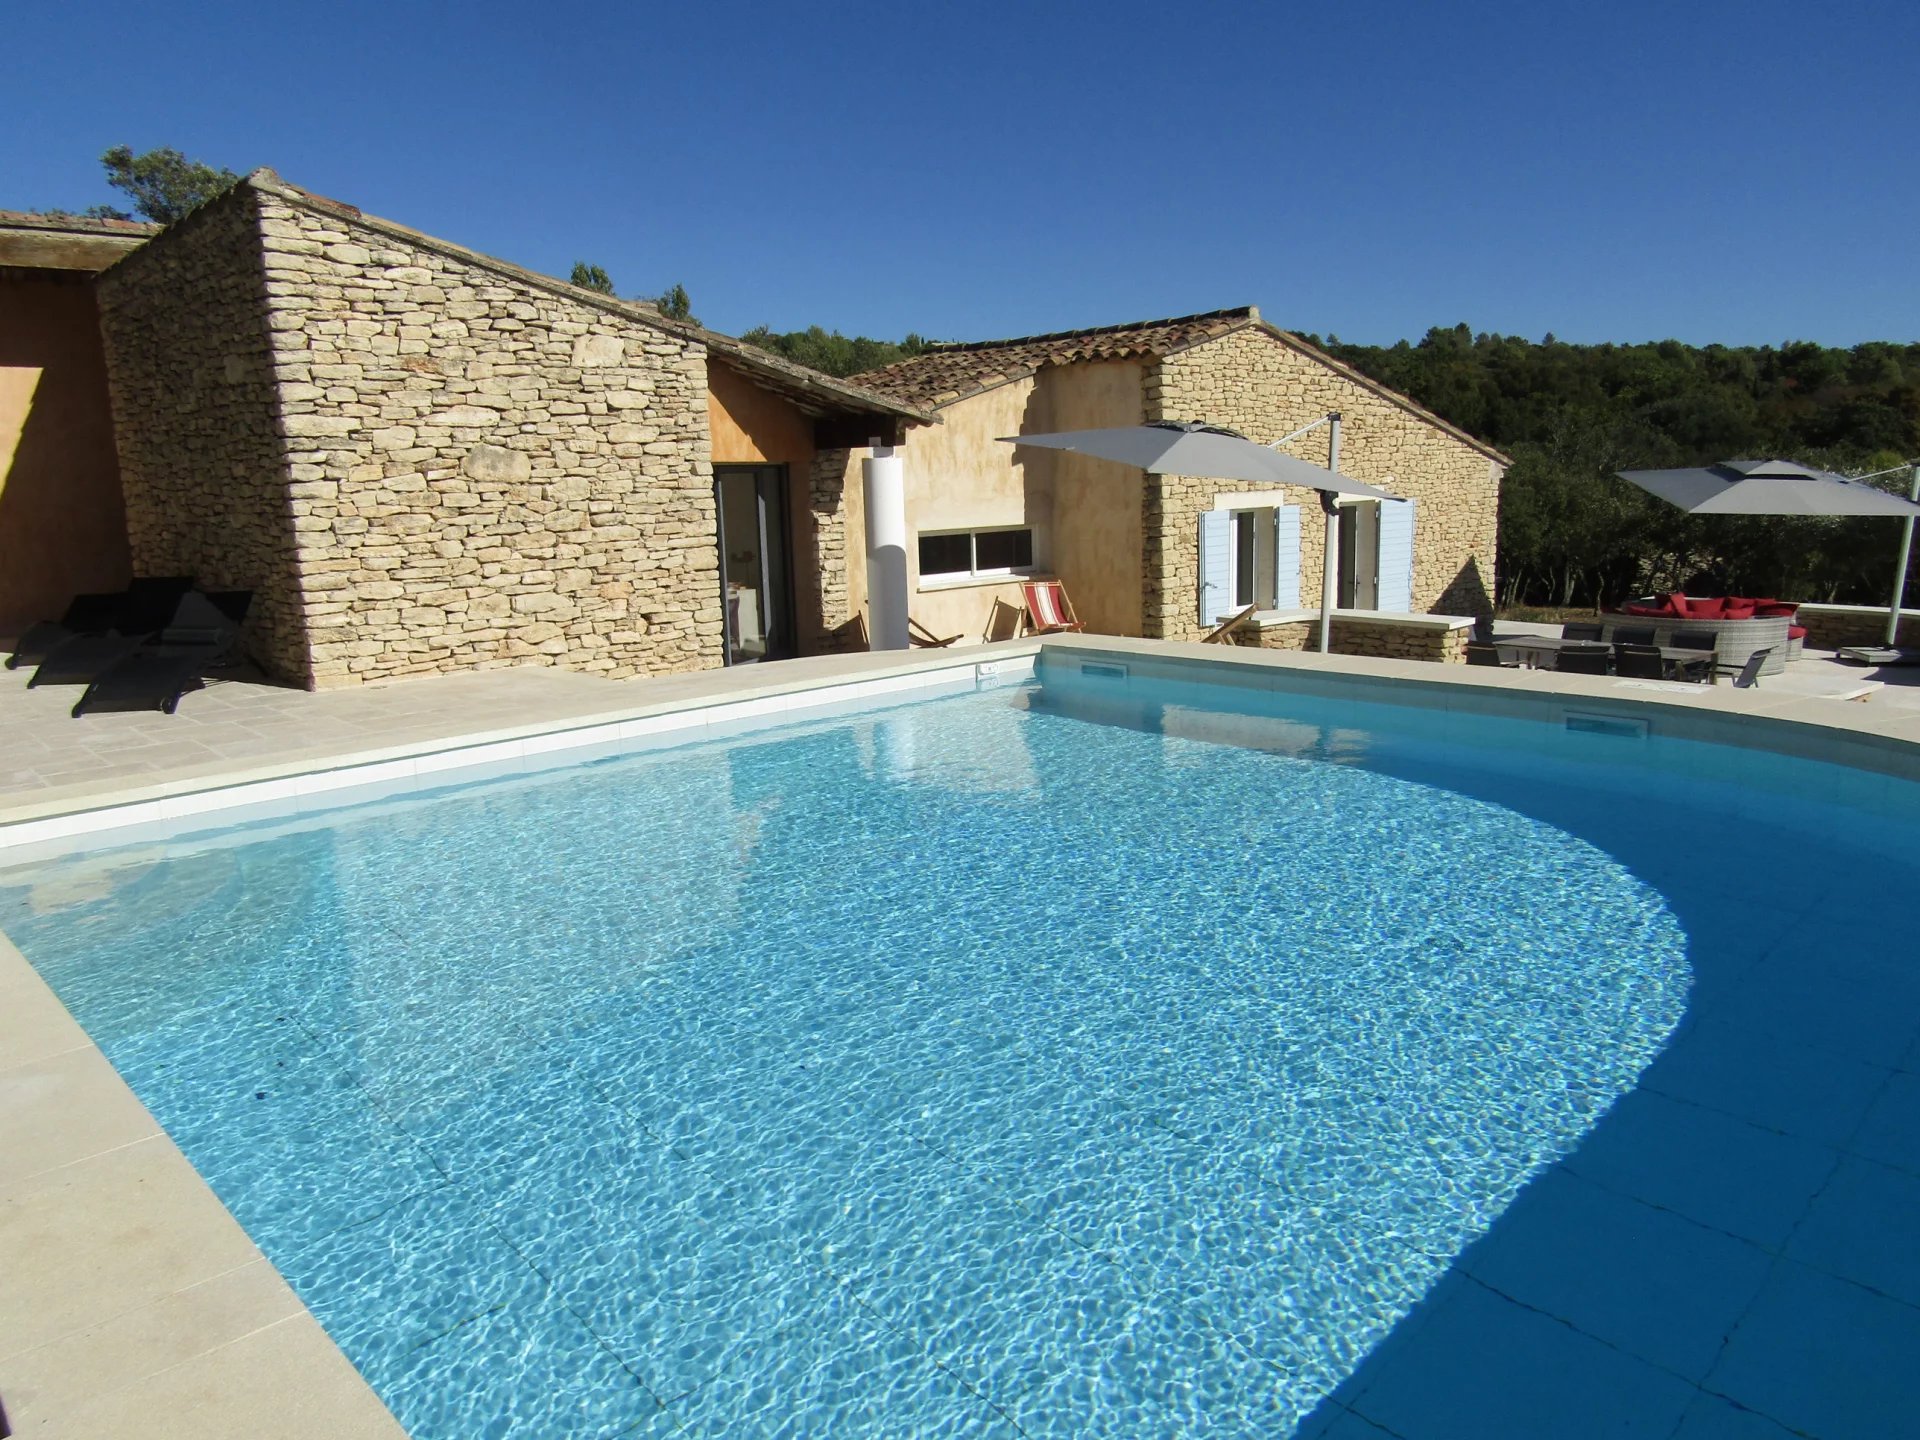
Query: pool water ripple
962	1069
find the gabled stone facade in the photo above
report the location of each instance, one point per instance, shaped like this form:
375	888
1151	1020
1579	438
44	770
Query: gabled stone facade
1129	552
1255	381
419	461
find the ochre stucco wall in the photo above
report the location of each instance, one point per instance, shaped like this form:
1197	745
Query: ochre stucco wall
1096	503
959	477
62	526
1258	384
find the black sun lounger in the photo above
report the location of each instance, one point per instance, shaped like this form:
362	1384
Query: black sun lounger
151	606
205	635
140	609
86	615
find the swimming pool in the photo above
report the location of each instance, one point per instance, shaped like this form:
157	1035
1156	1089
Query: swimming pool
1103	1056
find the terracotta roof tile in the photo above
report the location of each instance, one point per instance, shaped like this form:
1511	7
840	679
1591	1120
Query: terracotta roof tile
947	373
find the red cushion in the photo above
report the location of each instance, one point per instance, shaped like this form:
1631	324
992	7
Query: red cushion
1796	632
1635	608
1773	609
1713	608
1677	604
1738	610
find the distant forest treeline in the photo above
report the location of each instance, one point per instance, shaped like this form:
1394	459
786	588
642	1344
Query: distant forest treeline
831	352
1571	415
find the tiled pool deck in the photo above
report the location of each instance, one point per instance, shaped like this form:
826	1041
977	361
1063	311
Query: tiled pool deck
1734	1251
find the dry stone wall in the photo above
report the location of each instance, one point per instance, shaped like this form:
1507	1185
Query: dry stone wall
196	420
1260	385
827	483
1835	627
1354	636
418	460
483	472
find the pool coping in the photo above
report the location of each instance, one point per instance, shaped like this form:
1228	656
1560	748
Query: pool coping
683	706
187	1319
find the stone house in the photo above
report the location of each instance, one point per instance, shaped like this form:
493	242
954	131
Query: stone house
422	459
1167	556
419	459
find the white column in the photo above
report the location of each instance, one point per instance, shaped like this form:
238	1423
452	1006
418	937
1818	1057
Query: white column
886	495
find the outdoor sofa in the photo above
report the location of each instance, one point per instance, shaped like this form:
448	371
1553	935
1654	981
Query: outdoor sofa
1740	626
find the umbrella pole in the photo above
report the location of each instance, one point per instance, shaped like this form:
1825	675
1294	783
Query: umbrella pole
1326	569
1900	570
1330	546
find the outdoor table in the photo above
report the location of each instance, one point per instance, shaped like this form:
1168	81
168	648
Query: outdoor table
1536	644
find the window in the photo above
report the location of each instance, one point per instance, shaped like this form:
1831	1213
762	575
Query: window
1254	554
971	554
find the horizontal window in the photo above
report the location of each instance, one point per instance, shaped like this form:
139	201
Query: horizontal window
965	554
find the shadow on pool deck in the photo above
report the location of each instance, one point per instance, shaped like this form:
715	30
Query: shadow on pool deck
1732	1251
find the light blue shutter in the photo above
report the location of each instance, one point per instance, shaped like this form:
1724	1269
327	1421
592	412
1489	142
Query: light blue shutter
1216	557
1286	557
1396	555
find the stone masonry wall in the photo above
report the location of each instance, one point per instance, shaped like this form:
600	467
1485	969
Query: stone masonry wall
827	501
1362	637
195	407
1263	387
481	471
1834	628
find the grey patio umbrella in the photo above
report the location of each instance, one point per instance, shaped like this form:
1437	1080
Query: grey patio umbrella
1173	447
1782	487
1767	487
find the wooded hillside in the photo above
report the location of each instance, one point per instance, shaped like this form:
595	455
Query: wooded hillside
1570	415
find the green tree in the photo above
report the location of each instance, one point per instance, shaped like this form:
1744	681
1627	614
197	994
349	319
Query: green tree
675	305
832	353
590	277
163	184
1571	415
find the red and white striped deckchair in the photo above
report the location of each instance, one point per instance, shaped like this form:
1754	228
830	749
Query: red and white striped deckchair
1048	609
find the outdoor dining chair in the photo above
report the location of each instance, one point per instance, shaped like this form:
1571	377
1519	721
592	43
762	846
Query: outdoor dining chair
1479	653
1639	662
1699	669
1749	676
1580	630
1633	635
1583	659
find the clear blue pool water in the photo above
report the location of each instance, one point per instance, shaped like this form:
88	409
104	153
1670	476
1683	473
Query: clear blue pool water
1101	1059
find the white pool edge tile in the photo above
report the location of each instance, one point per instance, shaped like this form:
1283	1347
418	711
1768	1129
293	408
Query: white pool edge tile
442	763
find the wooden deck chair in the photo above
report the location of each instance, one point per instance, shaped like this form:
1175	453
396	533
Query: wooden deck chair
1004	622
924	639
1222	634
1048	610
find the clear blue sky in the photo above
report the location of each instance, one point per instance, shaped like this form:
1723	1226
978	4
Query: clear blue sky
1734	172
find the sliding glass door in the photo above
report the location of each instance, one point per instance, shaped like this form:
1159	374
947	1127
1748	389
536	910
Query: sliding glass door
755	588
